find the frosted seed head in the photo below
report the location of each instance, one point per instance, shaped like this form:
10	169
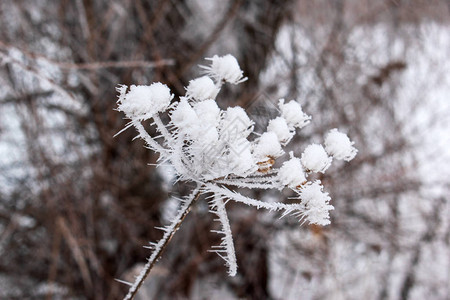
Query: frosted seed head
210	147
225	68
160	96
315	159
267	146
339	145
316	203
281	129
293	114
201	88
144	101
291	173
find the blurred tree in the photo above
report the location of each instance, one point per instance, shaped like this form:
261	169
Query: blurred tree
78	205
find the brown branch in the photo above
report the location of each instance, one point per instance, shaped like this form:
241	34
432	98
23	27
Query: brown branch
227	18
117	64
76	251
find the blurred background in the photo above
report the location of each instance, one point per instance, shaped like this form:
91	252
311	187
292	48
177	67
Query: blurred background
77	205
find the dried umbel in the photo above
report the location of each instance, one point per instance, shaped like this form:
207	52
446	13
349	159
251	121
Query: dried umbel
219	151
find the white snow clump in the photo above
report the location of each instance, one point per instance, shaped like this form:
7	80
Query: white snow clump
293	114
291	173
144	101
280	127
225	68
315	159
317	203
202	88
268	146
339	145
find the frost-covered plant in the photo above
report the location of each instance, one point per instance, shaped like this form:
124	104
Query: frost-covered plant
219	151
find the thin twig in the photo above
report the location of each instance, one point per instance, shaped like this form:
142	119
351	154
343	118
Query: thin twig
116	64
88	65
162	244
76	251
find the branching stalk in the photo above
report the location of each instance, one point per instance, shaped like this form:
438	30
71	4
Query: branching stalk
211	146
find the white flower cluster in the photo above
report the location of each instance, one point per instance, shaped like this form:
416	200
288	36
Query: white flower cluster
219	150
142	101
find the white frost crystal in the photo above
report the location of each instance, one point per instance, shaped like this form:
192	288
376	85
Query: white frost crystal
225	68
201	89
293	114
281	129
315	159
339	145
291	173
316	202
144	101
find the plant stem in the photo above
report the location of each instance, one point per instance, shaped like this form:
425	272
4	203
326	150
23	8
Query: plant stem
169	232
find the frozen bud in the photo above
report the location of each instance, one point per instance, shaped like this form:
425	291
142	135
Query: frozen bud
144	101
236	123
267	146
241	159
281	129
339	145
208	112
291	173
293	114
225	68
184	117
201	89
315	159
316	203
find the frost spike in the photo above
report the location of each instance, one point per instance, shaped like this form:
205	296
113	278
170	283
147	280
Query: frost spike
227	240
